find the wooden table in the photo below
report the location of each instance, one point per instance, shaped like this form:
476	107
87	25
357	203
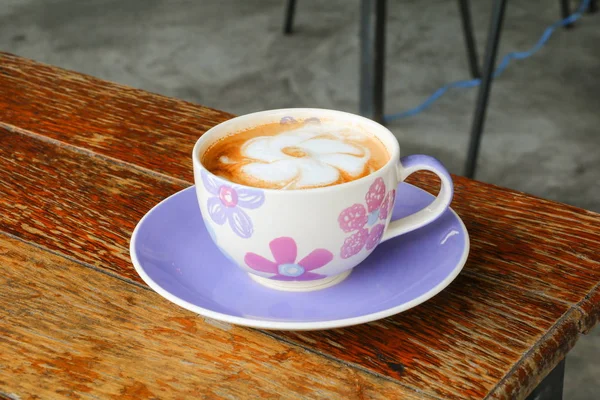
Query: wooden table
82	160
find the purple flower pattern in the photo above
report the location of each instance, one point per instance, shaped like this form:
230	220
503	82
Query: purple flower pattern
228	203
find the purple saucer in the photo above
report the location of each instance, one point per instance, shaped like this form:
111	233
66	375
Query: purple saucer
173	253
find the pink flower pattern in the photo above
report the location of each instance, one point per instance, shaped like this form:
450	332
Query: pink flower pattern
285	267
364	221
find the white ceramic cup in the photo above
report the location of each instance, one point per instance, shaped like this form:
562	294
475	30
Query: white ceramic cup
309	239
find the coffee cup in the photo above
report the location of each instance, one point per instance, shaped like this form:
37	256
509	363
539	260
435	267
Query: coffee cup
309	239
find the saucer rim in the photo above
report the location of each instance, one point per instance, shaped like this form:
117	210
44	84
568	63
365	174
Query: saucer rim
290	325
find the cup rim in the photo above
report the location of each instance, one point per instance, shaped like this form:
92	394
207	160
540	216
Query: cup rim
393	161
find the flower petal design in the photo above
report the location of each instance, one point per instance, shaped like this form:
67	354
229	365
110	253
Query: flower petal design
240	223
314	173
316	259
375	236
249	198
290	269
385	206
352	165
259	263
392	201
278	171
267	149
323	146
353	218
210	183
217	212
354	243
306	156
284	250
311	276
375	195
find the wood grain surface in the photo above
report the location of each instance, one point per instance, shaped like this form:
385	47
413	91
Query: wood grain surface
101	116
83	207
91	222
75	181
70	332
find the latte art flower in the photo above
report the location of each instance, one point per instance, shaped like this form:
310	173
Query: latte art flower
296	154
304	157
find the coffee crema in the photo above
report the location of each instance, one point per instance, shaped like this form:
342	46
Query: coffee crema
296	155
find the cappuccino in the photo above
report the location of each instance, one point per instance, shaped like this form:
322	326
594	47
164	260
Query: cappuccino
296	155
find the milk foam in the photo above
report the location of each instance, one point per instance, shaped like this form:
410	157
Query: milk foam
309	156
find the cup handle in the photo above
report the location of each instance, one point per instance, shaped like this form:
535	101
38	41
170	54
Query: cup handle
408	165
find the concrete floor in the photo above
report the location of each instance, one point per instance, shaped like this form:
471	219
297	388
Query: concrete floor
542	132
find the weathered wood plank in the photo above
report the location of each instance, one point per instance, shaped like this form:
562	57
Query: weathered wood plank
590	309
531	243
534	250
8	396
72	203
138	127
468	337
70	332
521	240
535	366
85	208
459	344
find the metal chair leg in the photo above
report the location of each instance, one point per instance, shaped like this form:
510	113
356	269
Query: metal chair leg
290	9
551	388
467	26
489	65
565	11
372	58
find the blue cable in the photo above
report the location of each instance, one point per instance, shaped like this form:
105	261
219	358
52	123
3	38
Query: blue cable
516	55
